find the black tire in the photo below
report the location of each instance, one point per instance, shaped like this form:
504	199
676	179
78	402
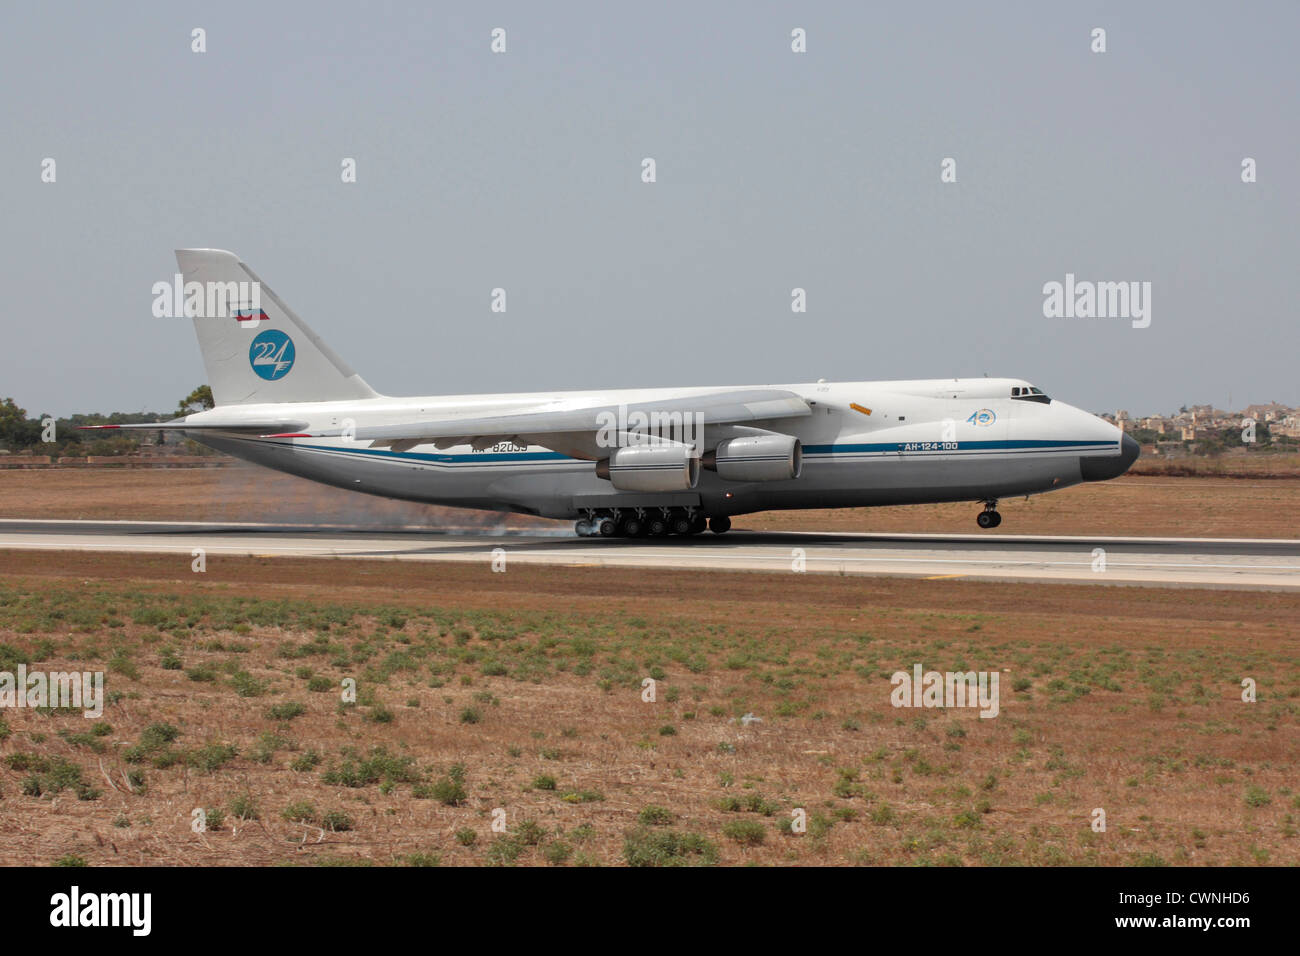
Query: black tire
680	524
987	519
656	526
607	527
720	524
698	524
997	518
633	527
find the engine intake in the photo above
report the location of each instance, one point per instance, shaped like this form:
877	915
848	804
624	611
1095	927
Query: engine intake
651	468
757	458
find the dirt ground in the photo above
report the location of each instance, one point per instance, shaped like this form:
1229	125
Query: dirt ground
1208	507
520	697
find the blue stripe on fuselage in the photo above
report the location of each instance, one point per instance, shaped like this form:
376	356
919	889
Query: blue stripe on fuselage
1024	444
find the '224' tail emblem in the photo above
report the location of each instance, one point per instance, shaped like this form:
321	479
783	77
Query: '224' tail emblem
271	354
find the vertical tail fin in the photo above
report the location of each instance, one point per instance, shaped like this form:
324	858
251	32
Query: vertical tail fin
255	349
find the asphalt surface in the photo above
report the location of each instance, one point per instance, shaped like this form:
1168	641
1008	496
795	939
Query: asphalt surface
1265	564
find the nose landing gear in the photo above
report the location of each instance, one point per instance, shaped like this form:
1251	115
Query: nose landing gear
989	517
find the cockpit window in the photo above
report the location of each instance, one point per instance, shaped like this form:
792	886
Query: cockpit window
1029	393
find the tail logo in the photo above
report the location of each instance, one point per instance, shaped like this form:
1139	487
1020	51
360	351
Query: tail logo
271	354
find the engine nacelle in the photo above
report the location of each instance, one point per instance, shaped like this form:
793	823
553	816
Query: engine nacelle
757	458
651	468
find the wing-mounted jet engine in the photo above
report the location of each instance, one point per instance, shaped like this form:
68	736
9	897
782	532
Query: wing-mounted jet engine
758	457
669	466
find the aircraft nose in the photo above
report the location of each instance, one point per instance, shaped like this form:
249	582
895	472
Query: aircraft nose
1129	451
1103	469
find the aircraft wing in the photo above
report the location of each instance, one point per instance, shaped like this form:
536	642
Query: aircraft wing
573	430
180	425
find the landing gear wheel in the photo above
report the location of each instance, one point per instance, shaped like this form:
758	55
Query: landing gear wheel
988	519
633	527
656	526
698	524
720	524
680	524
582	528
606	527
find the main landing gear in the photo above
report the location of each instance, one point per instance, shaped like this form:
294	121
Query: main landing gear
648	523
989	517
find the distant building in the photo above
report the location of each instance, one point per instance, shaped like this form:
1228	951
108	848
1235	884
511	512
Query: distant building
1288	427
1199	422
1267	413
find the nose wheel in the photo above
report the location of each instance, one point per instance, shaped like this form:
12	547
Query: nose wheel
989	517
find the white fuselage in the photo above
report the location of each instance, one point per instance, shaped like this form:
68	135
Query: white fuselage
866	443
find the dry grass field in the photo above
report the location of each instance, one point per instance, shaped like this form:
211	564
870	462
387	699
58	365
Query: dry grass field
1238	464
521	692
1209	507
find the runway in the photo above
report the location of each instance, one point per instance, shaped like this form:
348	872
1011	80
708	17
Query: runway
1258	564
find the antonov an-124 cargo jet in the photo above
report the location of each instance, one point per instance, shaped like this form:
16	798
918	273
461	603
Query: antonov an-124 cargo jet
644	461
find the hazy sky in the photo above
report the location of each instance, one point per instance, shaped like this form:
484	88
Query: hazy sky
775	170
